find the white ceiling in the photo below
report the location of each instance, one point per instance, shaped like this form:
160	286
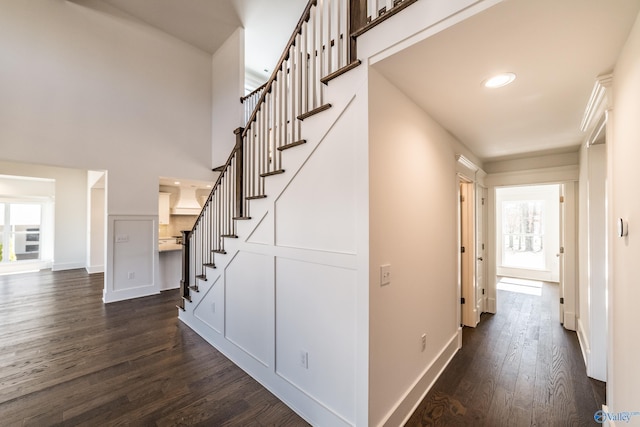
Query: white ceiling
206	24
557	48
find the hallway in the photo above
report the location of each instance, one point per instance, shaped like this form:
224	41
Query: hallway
519	367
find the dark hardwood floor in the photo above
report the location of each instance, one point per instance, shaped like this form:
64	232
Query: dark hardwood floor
67	359
519	367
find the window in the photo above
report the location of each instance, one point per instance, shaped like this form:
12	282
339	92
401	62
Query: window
20	225
523	234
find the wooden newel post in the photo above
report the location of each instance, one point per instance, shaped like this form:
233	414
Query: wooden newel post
357	21
239	173
184	282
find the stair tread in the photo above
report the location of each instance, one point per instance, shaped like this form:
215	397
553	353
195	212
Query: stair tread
219	251
326	79
314	111
210	265
293	144
230	236
242	218
259	196
201	277
275	172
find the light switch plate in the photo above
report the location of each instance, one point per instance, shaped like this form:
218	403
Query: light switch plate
385	274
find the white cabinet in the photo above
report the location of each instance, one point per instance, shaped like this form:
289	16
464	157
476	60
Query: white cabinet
163	208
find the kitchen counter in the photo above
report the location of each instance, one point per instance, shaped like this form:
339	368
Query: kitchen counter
170	266
167	244
166	247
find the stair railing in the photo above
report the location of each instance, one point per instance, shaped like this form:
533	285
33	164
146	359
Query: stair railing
250	101
322	47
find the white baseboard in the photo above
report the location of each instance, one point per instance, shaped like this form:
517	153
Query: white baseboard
60	266
410	401
569	321
491	305
93	269
584	343
143	291
607	422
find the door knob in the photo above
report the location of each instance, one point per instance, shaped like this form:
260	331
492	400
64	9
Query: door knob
479	258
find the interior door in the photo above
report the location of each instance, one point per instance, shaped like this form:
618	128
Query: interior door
481	231
560	254
467	255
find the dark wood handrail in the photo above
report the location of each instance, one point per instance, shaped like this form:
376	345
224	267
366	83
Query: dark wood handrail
366	26
226	166
285	55
256	90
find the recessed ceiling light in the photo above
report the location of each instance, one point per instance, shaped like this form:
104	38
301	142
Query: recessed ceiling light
176	182
499	80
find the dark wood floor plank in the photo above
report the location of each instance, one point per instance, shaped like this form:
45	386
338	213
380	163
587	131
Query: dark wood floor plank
519	367
67	359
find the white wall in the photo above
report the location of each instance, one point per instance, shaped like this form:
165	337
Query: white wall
227	88
97	225
70	215
89	90
623	379
413	228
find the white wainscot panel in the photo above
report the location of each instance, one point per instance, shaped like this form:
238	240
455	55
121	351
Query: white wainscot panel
249	308
210	309
316	332
263	233
318	208
133	254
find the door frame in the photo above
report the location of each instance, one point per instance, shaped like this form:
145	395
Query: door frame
467	252
567	176
470	175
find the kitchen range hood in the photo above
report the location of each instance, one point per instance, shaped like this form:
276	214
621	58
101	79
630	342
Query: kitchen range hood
187	203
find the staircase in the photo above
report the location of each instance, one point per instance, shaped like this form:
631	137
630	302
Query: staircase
322	47
272	269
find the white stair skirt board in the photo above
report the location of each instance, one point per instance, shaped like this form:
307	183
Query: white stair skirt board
522	286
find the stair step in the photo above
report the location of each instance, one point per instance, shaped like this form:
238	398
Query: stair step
186	298
276	172
195	287
326	79
201	277
230	236
210	265
180	307
314	111
241	218
293	144
219	251
260	196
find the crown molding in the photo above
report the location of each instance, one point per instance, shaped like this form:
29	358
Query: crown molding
599	102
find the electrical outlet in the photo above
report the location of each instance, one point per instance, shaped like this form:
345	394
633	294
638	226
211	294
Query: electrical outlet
304	359
122	238
131	275
213	307
423	342
385	274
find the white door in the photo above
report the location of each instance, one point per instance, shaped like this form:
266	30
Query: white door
481	231
560	254
467	255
